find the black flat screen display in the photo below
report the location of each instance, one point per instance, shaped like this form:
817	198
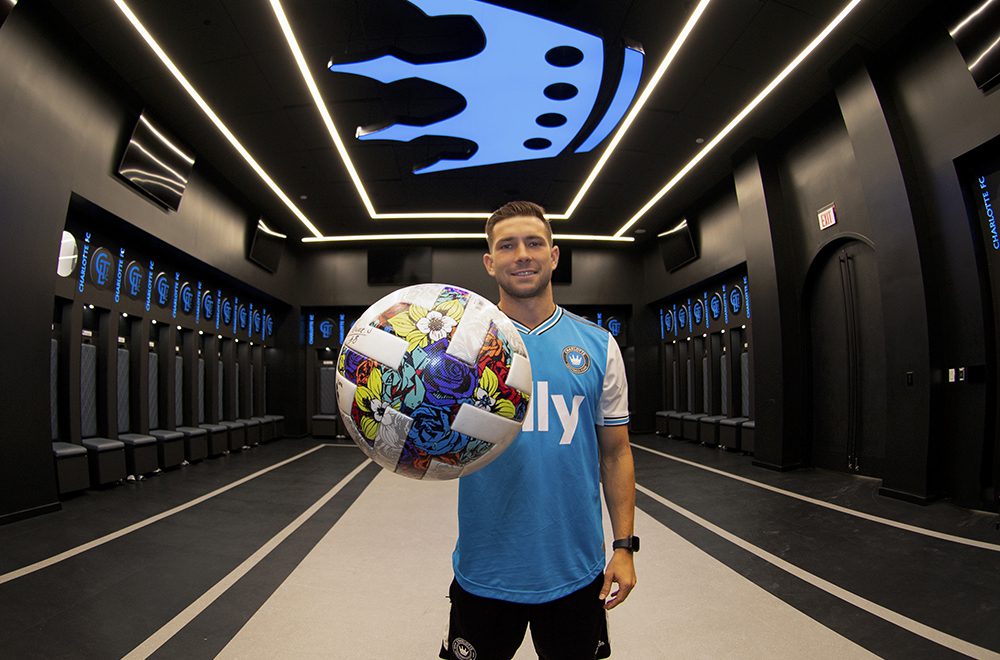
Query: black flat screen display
677	246
563	274
266	248
156	164
397	264
976	31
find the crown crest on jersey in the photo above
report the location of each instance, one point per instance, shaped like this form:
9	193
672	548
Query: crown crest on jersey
554	70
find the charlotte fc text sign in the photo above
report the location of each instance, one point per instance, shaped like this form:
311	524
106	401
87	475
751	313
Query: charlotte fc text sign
162	291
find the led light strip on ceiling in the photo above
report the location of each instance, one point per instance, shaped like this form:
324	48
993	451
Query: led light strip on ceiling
318	237
214	118
735	121
455	236
324	112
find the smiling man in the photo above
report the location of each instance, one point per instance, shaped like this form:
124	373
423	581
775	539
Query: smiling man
530	548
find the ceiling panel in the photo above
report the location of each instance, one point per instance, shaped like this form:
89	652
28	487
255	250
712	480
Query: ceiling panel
235	54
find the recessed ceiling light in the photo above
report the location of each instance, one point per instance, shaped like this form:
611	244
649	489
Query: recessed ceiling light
699	140
735	121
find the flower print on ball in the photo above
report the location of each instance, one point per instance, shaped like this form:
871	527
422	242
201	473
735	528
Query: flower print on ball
447	381
369	406
420	327
433	382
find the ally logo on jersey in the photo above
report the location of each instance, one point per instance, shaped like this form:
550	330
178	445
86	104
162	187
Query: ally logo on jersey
538	417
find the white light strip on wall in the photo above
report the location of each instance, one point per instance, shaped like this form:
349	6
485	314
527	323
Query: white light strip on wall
709	146
634	112
214	118
451	236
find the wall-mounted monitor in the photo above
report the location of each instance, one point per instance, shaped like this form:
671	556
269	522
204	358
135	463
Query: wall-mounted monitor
976	31
677	246
399	264
266	247
563	274
156	164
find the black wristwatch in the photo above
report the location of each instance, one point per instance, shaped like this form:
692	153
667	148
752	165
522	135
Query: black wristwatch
630	543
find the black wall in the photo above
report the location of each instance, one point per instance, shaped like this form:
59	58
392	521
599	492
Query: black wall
63	122
881	145
333	277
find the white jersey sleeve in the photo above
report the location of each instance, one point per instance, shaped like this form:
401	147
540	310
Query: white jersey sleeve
614	398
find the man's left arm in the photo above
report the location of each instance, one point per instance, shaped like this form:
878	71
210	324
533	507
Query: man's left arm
618	477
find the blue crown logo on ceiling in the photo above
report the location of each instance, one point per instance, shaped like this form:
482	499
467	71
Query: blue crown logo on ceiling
555	70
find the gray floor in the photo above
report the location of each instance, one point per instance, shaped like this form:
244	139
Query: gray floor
301	548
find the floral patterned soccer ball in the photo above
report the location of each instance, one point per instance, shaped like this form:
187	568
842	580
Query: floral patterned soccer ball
433	382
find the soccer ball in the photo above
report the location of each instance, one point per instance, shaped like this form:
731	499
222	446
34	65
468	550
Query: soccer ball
433	382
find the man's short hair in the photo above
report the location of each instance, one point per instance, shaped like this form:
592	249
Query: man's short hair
517	209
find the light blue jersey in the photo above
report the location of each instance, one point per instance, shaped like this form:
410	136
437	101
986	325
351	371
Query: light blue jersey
530	528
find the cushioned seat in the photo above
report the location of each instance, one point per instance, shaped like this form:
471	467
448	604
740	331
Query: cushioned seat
689	425
195	442
72	471
169	447
709	431
662	422
237	434
106	460
279	424
747	430
140	453
324	426
729	432
252	429
218	438
675	420
266	428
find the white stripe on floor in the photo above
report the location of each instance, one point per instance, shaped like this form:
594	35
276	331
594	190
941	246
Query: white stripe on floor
90	545
915	627
376	585
851	512
161	636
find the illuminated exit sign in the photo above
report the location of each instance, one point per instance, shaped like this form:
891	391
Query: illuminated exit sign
827	217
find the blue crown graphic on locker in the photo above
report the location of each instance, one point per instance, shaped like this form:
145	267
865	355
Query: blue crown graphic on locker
242	314
101	266
715	306
555	71
256	320
208	304
227	312
735	300
162	289
187	298
326	328
133	278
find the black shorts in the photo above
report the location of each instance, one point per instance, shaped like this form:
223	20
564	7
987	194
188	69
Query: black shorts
574	627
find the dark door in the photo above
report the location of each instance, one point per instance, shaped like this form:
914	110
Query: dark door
847	359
